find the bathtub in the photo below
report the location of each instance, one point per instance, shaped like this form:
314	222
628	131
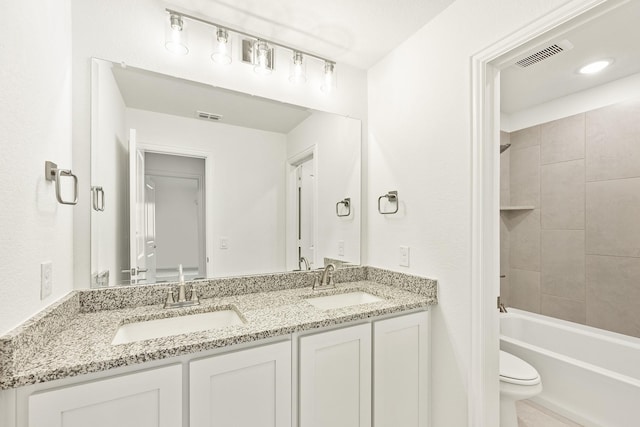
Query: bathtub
589	375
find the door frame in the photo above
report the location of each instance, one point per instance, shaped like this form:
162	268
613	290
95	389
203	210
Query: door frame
483	383
291	222
208	187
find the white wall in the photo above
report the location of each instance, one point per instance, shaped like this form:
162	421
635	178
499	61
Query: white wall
247	195
35	106
608	94
420	144
338	167
133	32
110	228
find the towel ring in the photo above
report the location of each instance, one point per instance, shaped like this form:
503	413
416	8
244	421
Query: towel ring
52	173
392	197
347	204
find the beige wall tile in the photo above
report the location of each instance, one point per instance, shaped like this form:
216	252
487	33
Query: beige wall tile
562	140
524	239
613	217
562	269
505	177
504	259
524	138
613	142
562	193
563	308
524	290
504	290
504	244
524	169
613	293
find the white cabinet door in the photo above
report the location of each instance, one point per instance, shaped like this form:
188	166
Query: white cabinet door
248	388
151	398
401	366
335	378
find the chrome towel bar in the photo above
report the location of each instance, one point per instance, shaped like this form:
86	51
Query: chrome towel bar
392	197
52	173
347	204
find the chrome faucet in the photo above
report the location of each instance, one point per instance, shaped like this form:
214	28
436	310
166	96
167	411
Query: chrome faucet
306	263
182	299
325	280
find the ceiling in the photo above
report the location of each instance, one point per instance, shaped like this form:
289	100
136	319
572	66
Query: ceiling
354	32
614	35
146	90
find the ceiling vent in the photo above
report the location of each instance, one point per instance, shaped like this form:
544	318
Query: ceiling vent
208	116
545	53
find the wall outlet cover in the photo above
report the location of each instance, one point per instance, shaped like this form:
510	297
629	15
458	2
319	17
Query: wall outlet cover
340	247
404	256
224	243
46	279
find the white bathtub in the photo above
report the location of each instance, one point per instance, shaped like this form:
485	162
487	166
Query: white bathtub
589	375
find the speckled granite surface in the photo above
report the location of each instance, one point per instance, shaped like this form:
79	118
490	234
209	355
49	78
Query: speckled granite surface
73	336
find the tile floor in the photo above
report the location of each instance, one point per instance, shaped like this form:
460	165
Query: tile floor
531	414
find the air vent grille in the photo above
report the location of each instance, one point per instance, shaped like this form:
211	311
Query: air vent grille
208	116
541	55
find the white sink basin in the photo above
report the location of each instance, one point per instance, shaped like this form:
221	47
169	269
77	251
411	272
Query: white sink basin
343	300
158	328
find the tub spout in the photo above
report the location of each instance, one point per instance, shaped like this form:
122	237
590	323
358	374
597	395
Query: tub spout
501	306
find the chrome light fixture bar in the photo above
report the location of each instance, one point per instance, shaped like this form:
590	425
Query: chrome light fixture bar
262	54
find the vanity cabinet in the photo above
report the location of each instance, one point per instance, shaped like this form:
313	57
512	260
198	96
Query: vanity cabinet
336	384
373	373
248	388
335	378
151	398
401	371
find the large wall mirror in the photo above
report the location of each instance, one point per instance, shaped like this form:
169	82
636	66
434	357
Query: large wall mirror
220	182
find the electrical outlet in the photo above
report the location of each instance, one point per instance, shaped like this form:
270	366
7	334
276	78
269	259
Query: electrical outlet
340	247
46	279
404	256
224	243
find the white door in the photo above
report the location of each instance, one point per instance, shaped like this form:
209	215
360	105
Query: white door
335	378
151	398
401	371
248	388
137	247
150	229
306	213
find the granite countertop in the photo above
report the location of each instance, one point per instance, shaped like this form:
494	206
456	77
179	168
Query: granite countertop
82	340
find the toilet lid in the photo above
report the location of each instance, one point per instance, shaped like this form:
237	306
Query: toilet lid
516	371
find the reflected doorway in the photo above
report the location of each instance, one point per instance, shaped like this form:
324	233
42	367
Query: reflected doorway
175	211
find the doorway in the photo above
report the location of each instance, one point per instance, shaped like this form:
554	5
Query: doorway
486	72
175	210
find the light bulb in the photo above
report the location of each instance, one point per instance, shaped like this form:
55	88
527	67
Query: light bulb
297	69
328	77
176	36
262	58
221	47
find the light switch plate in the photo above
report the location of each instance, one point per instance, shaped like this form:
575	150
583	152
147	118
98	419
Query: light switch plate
46	279
404	256
224	243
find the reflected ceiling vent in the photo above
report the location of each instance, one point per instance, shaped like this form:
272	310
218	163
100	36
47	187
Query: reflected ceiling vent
545	53
208	116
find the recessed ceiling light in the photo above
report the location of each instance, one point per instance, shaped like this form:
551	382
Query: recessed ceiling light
594	67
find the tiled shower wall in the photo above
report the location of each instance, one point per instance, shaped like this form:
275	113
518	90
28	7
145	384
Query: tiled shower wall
575	255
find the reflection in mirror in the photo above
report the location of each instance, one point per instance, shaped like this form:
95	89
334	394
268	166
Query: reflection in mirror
220	182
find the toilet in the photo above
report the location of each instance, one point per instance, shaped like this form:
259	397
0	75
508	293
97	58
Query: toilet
518	380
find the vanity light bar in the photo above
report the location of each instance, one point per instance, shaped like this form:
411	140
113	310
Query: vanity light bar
297	75
244	33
